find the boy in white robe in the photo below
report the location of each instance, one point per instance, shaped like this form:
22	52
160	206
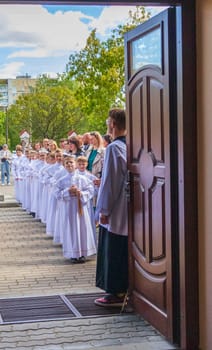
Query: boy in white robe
76	191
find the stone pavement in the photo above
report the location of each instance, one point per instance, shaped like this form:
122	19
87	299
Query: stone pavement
31	265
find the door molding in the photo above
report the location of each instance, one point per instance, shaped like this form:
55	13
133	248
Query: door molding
187	173
187	155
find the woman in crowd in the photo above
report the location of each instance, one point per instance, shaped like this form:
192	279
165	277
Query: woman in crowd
75	146
95	154
107	139
52	146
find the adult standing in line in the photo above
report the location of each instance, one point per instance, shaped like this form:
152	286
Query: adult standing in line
95	154
86	141
111	210
5	157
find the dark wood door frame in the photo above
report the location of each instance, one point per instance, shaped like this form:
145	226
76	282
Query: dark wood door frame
187	173
187	156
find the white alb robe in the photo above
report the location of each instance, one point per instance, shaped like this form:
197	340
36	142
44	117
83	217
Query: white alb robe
78	235
111	199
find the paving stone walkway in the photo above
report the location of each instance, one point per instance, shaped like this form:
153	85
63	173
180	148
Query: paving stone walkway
31	265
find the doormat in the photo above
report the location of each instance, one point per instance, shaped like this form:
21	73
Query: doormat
54	307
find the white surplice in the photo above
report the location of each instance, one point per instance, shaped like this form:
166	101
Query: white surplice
111	199
57	230
78	235
16	173
35	200
52	201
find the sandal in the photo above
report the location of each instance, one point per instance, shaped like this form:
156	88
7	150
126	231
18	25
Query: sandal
110	300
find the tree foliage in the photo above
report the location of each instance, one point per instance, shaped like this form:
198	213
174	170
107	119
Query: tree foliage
99	71
51	110
80	98
2	127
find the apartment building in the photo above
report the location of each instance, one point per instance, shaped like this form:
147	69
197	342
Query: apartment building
11	89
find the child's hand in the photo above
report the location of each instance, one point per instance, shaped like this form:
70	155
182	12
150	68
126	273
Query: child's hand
73	190
104	219
97	182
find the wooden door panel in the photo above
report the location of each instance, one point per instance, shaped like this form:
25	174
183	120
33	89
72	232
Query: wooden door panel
137	129
156	243
155	105
152	288
150	243
148	177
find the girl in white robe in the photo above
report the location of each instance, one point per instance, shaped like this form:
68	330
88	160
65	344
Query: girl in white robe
57	230
37	166
76	191
28	180
44	180
16	173
25	166
52	201
82	163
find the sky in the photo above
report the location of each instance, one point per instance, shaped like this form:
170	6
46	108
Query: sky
38	39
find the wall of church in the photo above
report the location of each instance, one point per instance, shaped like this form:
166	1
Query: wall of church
204	102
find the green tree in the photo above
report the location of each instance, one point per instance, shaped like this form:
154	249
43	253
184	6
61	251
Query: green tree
2	127
99	71
79	99
50	110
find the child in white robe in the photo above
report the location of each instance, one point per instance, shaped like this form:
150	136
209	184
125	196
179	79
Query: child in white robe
57	231
52	201
82	163
36	168
76	191
25	166
29	171
16	172
44	180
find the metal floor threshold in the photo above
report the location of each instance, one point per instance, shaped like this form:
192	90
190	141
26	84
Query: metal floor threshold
51	308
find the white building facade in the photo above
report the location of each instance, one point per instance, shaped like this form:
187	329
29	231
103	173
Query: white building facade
11	89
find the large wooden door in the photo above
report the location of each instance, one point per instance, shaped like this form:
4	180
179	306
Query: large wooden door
151	125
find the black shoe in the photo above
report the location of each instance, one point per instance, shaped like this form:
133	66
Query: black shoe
80	260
